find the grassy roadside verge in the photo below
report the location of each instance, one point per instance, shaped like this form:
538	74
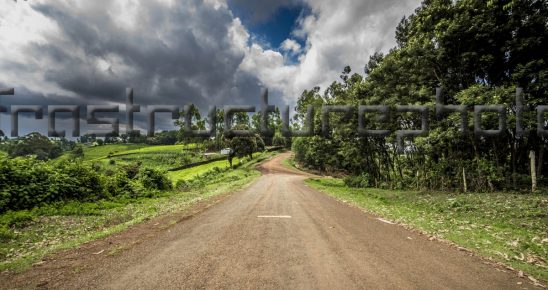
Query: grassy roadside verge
44	230
289	163
507	227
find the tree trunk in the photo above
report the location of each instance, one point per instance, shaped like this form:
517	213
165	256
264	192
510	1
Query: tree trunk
540	161
464	180
533	171
513	157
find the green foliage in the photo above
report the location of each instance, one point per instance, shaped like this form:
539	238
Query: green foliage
27	182
99	152
17	219
119	184
131	170
278	140
34	144
501	45
192	172
163	157
243	146
78	152
260	143
164	138
154	179
360	181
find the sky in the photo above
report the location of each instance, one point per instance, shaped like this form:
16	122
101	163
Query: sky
171	52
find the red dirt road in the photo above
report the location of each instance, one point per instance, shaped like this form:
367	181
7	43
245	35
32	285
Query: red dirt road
276	233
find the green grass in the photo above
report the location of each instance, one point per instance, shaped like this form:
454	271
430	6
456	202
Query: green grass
158	160
190	173
99	152
163	157
289	163
27	236
160	149
508	227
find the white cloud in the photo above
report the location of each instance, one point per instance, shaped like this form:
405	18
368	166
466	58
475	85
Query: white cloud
197	49
337	33
291	46
82	52
239	36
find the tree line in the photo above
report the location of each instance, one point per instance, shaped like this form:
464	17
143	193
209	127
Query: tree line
479	52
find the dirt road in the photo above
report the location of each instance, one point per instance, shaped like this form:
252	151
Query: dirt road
276	233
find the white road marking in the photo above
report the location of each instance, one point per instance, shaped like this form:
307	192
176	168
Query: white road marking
275	216
387	222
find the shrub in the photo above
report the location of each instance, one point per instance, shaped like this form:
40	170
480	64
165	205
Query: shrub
360	181
132	170
183	185
119	184
154	179
27	182
80	181
6	234
260	143
16	219
78	152
278	140
35	144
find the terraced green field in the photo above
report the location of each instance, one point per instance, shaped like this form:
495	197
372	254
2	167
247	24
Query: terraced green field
164	157
99	152
159	149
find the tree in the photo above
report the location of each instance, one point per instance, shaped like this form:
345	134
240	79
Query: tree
243	146
164	138
78	152
479	52
35	144
136	137
87	138
196	124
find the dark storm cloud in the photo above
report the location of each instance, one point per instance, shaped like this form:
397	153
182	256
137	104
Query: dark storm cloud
176	54
172	55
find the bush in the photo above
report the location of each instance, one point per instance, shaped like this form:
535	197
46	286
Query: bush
118	184
6	234
260	143
78	152
278	140
132	170
27	182
35	144
183	185
154	179
243	146
360	181
16	219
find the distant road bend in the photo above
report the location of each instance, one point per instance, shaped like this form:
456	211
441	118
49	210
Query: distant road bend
279	233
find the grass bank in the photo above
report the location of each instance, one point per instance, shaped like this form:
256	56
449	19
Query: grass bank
27	236
193	172
508	227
